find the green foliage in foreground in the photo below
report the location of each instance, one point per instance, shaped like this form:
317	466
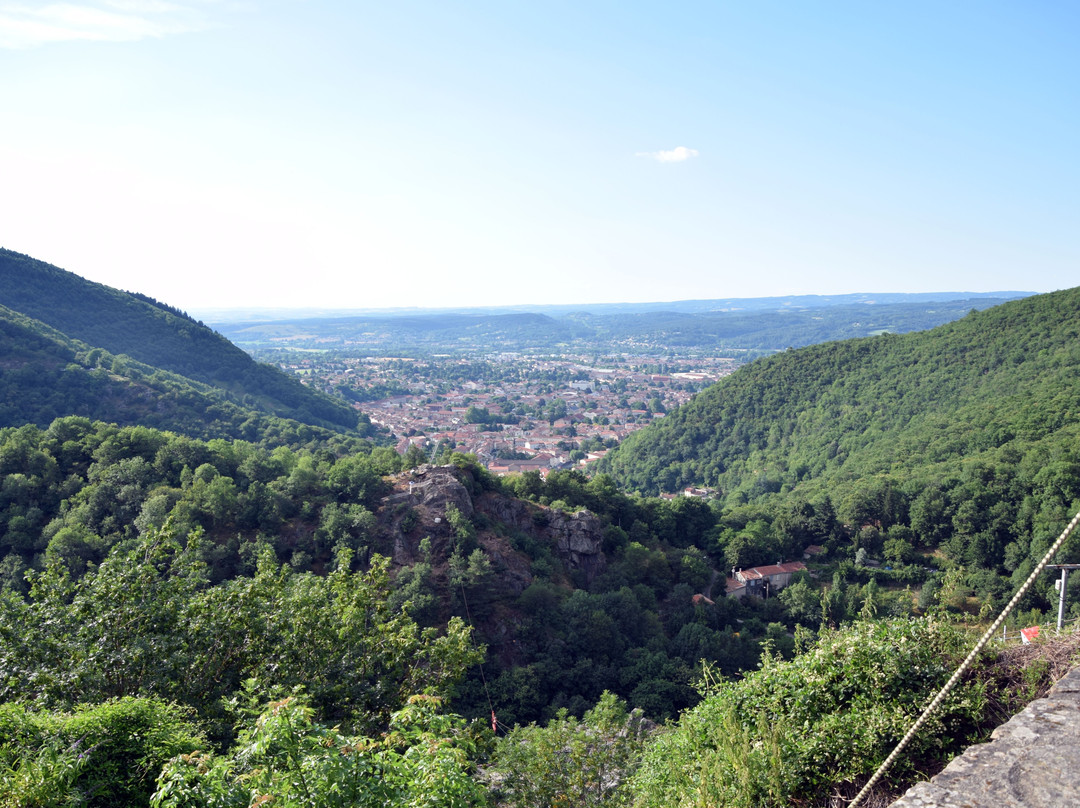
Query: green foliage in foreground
570	762
286	760
148	623
791	733
109	754
796	732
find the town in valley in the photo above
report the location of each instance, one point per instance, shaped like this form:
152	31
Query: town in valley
516	412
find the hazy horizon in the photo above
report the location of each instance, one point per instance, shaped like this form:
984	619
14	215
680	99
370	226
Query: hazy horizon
218	314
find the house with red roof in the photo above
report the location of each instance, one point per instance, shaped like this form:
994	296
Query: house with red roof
760	582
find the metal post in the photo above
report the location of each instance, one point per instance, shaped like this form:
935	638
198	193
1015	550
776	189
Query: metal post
1061	598
1062	586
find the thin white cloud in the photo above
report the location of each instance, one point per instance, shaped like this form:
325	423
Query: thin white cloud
677	155
30	24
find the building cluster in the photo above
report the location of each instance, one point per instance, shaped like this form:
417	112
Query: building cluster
545	413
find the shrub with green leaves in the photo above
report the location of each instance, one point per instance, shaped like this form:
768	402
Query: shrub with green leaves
106	755
570	762
283	758
148	622
794	732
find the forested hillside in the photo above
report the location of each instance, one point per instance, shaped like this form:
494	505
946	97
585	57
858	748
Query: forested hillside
961	442
157	593
46	375
609	605
1003	380
158	335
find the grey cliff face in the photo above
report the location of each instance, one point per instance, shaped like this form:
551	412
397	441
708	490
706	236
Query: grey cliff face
435	487
578	539
427	491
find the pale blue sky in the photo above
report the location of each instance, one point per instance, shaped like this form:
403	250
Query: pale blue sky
353	154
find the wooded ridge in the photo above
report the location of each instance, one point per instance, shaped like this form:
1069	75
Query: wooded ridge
159	336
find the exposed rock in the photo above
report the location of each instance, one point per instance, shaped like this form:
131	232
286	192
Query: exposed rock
417	508
578	538
435	487
516	514
512	568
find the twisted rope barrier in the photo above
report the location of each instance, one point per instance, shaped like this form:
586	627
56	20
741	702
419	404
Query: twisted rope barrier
884	767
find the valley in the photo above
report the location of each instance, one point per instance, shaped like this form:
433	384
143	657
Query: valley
490	541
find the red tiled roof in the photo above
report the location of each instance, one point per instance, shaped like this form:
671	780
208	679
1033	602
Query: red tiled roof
769	570
780	569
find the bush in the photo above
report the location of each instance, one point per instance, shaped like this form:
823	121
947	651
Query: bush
105	755
569	762
285	759
796	732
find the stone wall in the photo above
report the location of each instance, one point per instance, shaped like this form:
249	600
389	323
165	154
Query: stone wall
1032	760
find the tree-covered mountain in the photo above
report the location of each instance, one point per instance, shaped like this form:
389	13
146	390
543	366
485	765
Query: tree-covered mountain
45	375
1002	380
160	336
961	444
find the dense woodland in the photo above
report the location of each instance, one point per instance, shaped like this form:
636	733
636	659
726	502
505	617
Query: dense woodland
961	441
263	611
48	375
77	490
135	327
161	579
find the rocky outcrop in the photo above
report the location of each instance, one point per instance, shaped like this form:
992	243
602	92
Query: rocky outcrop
516	514
435	487
417	507
578	539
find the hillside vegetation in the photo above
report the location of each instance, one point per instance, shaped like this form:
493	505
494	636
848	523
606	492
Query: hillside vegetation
296	623
831	413
46	375
274	613
160	336
999	384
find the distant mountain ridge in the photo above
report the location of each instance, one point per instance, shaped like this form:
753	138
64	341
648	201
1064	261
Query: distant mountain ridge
760	325
263	314
62	315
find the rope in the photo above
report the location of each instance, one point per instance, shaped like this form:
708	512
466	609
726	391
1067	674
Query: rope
884	767
491	705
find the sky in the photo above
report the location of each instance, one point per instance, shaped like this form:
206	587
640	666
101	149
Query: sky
309	153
